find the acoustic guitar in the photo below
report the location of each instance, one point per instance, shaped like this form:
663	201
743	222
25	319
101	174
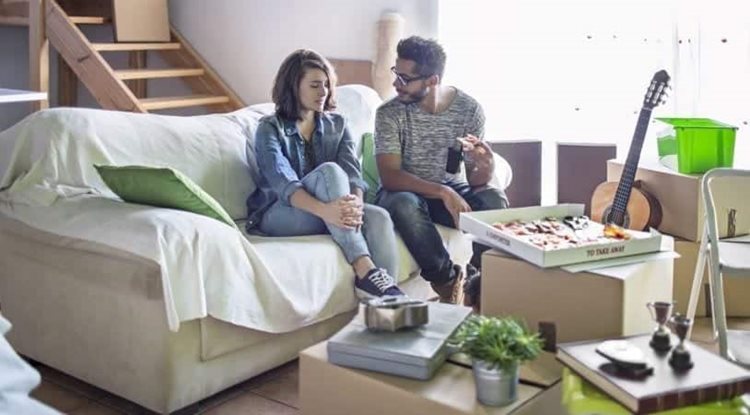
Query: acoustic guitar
626	203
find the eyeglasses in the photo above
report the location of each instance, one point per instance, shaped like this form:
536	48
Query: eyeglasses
405	80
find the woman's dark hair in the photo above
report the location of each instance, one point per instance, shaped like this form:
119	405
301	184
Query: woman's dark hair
285	93
427	53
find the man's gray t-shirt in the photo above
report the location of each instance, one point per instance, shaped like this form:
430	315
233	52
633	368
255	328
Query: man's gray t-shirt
422	139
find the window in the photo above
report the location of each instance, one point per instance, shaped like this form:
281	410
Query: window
577	70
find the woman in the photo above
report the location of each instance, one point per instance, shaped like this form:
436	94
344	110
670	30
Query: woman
310	181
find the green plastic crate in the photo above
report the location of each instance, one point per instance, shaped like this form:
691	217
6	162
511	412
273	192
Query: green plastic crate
700	144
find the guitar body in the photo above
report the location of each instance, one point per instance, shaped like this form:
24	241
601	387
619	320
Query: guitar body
643	210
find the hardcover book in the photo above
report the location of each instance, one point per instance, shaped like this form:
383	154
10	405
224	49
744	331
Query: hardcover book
712	378
414	353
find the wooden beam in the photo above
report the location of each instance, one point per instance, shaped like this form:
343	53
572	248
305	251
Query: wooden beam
67	84
91	68
93	20
14	21
137	61
162	103
14	13
211	83
127	47
38	52
128	74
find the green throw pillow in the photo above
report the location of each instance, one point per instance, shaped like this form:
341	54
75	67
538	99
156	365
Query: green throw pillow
370	167
163	187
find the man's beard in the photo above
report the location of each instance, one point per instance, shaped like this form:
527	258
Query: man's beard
413	98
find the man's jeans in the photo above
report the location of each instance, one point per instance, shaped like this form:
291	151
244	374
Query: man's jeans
415	218
329	182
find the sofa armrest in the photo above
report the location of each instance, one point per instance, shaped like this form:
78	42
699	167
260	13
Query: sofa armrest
503	175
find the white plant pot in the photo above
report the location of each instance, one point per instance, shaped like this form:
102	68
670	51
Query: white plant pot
495	387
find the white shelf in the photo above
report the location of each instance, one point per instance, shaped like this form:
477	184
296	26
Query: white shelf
17	95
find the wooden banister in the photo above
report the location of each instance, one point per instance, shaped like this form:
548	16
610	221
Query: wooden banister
210	83
91	68
55	22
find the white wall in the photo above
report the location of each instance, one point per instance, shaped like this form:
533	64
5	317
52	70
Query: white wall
246	40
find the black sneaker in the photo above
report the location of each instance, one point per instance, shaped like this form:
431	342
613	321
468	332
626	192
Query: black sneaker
451	292
376	283
472	287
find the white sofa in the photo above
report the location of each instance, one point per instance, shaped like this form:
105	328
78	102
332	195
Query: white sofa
160	306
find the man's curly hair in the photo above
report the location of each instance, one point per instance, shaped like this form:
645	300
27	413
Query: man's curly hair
427	53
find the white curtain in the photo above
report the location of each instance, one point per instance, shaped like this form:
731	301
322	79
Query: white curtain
577	70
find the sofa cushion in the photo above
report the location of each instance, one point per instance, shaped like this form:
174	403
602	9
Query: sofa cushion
163	187
370	168
358	103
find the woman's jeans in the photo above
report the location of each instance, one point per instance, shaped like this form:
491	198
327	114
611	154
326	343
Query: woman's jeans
326	183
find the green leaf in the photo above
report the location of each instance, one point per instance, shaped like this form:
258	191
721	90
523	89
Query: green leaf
500	342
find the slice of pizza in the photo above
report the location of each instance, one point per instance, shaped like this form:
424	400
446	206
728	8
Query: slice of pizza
614	231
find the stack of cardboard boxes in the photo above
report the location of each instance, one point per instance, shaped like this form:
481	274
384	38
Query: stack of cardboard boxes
681	201
565	306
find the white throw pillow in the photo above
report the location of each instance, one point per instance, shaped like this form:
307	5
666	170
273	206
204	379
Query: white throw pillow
208	149
358	103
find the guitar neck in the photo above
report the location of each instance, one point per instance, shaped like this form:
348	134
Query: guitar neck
631	164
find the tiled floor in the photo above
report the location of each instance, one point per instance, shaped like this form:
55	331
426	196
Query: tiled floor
274	392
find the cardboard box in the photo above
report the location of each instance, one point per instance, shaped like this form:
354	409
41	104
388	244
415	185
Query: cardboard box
480	224
580	168
141	20
604	303
684	268
327	389
736	289
681	201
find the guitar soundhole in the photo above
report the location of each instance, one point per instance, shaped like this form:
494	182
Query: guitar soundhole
611	216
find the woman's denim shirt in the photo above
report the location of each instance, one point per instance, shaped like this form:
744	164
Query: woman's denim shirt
279	152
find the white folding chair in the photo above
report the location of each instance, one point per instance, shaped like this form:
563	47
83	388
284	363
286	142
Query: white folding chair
729	256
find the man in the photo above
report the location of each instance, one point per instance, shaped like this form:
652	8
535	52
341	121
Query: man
413	134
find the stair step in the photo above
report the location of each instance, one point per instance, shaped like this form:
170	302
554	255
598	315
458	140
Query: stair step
115	47
14	21
89	20
128	74
161	103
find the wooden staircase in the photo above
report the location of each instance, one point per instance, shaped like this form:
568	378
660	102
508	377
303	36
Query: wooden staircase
126	89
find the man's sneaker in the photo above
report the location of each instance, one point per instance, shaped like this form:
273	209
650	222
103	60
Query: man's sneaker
376	283
472	287
452	291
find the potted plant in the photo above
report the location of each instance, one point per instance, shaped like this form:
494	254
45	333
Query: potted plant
496	346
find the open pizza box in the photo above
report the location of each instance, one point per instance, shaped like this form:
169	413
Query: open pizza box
641	246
